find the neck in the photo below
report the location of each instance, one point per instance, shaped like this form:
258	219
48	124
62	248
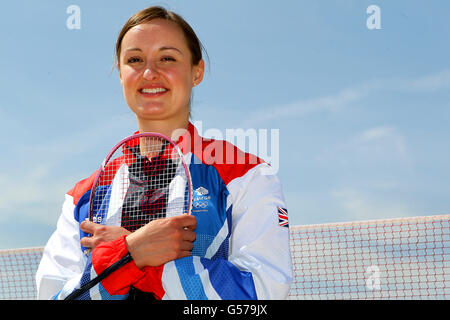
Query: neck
173	130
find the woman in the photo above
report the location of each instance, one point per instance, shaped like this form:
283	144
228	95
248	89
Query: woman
232	248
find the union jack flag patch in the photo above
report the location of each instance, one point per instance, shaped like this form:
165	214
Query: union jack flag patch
283	217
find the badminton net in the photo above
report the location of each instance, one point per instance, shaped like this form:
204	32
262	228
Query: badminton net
405	258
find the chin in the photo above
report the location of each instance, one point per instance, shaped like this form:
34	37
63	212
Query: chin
150	111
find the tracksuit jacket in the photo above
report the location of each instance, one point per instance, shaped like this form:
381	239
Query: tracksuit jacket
241	249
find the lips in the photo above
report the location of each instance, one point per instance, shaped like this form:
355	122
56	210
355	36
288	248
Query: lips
153	91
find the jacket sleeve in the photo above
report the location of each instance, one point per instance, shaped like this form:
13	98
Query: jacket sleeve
64	267
260	235
62	262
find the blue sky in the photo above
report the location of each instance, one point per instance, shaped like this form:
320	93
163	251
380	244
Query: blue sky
362	114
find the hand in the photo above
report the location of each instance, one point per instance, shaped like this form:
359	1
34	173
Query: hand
162	240
100	233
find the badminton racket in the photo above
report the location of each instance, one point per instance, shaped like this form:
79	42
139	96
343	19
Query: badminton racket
144	177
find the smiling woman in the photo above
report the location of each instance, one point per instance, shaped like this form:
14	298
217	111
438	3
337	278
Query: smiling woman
233	245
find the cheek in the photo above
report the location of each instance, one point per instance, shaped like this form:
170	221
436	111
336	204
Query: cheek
129	82
181	80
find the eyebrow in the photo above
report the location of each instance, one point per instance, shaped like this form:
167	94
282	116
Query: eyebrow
160	49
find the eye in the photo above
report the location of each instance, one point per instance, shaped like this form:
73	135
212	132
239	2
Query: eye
168	59
134	60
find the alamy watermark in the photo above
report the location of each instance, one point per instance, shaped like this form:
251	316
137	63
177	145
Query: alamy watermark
254	144
373	22
73	21
373	282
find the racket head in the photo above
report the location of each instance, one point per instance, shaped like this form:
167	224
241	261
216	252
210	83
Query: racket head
144	177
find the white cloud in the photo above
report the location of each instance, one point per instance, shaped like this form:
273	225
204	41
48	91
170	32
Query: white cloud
376	146
330	103
432	82
384	141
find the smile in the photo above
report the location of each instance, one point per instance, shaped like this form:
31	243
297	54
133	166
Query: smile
153	90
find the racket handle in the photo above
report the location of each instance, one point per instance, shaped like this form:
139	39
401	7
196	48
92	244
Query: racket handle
87	286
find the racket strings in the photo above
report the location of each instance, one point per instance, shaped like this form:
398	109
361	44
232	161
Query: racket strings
147	195
138	183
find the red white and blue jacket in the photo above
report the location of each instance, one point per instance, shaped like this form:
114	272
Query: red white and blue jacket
241	249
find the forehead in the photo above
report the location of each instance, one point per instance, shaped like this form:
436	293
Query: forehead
158	32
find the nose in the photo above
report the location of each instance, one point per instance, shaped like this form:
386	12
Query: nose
150	72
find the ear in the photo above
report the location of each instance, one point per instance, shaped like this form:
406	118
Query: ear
198	71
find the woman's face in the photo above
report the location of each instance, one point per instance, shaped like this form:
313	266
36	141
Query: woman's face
156	72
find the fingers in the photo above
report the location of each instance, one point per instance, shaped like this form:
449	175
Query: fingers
186	246
184	227
186	221
188	235
187	243
88	226
88	242
180	250
100	233
184	254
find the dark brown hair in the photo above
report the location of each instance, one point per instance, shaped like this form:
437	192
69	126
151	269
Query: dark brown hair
157	12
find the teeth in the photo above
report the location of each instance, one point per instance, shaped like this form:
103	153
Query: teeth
154	90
